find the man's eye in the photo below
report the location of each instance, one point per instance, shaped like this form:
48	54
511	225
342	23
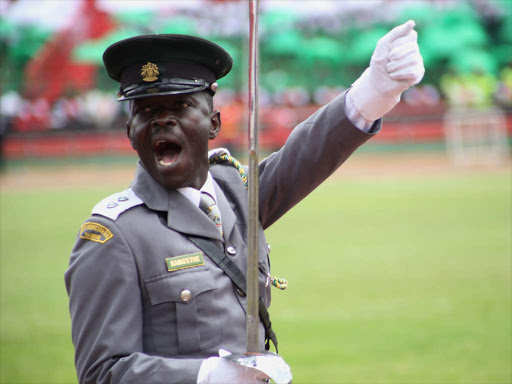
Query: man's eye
182	105
144	110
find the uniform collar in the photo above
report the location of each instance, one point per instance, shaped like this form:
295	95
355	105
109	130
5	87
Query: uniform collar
194	195
153	194
181	214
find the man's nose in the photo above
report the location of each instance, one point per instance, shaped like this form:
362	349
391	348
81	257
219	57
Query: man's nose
164	119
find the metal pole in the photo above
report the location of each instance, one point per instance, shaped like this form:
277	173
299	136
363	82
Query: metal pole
252	321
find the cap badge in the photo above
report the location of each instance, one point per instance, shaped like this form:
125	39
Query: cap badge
149	72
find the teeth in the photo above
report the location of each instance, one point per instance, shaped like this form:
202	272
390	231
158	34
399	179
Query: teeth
164	163
167	153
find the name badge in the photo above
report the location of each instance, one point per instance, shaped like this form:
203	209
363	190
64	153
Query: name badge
184	261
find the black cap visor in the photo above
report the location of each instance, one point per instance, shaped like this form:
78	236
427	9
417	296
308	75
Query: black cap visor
175	86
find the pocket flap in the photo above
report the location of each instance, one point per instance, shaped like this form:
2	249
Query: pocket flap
173	287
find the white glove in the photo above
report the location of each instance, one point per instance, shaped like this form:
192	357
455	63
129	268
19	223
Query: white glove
217	370
396	65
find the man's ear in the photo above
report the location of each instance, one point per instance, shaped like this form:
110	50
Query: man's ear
215	127
128	133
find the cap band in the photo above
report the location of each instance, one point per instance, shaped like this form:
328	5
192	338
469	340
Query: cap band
173	86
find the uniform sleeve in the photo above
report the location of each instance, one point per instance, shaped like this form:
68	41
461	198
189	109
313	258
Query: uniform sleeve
106	314
312	152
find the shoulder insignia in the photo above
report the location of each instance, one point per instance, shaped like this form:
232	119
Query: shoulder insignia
116	204
222	155
95	232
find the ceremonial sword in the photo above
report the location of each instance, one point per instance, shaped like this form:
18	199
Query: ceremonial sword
252	321
270	363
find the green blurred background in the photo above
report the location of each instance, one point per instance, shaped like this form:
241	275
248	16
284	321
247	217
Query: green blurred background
399	266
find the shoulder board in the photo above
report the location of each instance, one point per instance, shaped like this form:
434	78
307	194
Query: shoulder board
116	204
217	152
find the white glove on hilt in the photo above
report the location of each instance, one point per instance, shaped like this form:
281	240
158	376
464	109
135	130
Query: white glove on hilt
218	370
396	65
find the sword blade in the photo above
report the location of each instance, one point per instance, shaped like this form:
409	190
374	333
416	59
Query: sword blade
252	320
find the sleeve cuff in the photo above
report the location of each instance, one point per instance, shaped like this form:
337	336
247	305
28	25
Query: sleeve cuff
206	367
355	117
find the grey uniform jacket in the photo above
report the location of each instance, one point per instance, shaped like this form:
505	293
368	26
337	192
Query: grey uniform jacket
131	322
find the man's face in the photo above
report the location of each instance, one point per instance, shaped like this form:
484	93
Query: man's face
170	134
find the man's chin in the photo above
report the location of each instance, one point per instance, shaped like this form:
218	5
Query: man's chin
179	174
168	177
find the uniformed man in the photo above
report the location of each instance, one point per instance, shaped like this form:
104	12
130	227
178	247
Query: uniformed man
148	305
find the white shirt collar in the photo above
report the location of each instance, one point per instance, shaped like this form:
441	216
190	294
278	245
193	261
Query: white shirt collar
194	195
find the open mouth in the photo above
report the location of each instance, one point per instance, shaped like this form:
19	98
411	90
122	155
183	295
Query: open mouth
167	152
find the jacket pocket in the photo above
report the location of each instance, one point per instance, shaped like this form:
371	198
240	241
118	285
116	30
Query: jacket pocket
184	312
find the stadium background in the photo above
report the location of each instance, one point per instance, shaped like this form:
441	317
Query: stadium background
399	265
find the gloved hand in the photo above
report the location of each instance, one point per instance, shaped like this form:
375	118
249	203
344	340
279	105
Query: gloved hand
396	65
216	370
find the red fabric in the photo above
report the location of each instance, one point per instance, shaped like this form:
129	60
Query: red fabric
52	73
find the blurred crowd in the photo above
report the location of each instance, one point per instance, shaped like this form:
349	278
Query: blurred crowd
478	89
94	109
52	79
98	110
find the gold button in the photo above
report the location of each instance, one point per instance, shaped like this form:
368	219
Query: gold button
240	292
185	295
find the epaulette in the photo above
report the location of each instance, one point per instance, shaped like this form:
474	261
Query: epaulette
116	204
222	155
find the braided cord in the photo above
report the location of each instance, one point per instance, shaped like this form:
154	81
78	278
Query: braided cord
224	158
280	283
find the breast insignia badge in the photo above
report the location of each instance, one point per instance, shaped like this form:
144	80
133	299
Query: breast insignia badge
95	232
149	72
